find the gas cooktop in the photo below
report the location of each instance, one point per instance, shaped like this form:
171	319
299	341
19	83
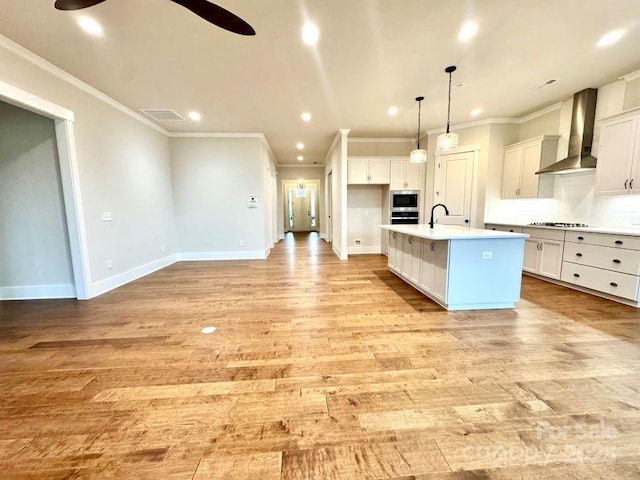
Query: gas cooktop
558	224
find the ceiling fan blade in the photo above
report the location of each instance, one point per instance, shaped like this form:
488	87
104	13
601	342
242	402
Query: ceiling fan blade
75	4
218	16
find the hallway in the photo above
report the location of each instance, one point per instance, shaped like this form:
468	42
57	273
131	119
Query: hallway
318	369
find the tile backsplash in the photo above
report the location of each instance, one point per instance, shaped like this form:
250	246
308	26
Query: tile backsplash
574	202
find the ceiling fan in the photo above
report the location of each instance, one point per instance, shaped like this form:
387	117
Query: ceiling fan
203	8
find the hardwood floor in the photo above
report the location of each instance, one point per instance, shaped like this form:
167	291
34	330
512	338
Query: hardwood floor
319	369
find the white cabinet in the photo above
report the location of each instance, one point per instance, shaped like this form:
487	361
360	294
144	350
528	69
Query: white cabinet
396	241
543	252
367	171
522	160
608	264
433	274
411	258
404	175
619	156
503	227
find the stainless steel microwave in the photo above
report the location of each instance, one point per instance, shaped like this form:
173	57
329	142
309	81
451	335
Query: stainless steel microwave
405	200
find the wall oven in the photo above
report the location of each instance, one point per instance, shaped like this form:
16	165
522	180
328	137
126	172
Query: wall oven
404	218
405	207
405	201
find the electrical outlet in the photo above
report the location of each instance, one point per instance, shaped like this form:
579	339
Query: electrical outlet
163	248
487	255
242	243
109	264
357	241
106	217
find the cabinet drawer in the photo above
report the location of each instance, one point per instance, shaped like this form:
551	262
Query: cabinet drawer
615	259
547	233
503	228
613	283
606	240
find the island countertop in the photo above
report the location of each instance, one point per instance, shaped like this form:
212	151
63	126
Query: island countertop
450	232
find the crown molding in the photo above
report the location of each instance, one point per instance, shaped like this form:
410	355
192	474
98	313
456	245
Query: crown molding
630	76
500	120
49	67
384	140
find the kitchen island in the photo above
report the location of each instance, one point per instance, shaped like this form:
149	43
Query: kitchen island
460	268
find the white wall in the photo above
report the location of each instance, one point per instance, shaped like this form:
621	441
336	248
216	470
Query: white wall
337	163
213	178
35	260
364	210
307	173
123	168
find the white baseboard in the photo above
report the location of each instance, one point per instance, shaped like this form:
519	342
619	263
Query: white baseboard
103	286
359	250
281	236
323	236
338	252
37	292
202	256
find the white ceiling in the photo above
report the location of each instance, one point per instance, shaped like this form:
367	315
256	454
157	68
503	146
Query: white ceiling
372	54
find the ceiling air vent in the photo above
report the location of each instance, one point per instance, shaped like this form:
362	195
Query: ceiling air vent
163	114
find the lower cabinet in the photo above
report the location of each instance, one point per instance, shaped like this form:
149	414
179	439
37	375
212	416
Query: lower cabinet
396	241
433	276
421	262
543	252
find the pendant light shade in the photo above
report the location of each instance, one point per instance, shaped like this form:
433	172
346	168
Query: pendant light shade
418	155
448	140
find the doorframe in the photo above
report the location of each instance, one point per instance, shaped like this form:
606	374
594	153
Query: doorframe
67	158
291	181
329	236
473	148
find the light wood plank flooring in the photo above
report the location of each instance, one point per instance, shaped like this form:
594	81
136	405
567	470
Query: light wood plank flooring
319	369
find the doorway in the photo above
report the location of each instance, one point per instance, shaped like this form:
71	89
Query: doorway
330	206
301	205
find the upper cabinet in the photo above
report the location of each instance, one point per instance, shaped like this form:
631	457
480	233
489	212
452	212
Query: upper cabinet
367	171
404	175
522	161
619	155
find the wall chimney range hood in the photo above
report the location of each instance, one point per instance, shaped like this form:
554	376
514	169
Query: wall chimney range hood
581	136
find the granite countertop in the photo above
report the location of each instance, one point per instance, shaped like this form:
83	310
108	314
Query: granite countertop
449	232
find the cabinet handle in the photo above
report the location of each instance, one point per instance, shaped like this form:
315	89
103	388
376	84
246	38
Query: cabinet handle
577	275
511	230
394	235
631	184
578	254
613	284
619	242
580	238
410	240
541	246
615	260
493	228
625	183
433	246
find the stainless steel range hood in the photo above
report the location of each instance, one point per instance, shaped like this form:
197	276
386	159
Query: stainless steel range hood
581	137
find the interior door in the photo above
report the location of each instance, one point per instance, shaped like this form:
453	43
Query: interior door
454	183
330	206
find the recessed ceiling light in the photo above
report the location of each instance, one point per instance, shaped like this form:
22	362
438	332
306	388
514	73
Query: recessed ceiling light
300	146
300	158
468	31
89	25
610	38
195	116
459	85
393	111
310	34
208	330
475	112
306	116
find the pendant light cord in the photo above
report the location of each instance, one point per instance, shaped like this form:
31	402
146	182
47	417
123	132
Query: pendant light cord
449	104
419	115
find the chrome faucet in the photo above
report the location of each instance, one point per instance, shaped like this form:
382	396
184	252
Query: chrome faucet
446	212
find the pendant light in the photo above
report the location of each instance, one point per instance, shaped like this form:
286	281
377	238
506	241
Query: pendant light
418	155
448	141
